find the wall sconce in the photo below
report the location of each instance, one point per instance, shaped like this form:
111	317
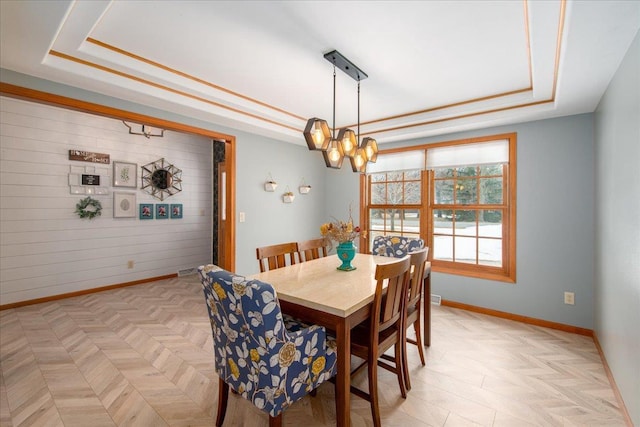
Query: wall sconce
146	131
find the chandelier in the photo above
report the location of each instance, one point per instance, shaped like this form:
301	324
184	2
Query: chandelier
319	137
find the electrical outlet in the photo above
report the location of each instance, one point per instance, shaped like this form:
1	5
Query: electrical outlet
569	298
242	217
130	263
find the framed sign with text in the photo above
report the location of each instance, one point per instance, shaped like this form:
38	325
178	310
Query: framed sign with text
88	156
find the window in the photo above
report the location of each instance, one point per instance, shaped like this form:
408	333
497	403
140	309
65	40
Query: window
396	204
461	202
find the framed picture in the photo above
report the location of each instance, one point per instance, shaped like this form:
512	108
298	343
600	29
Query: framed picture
125	174
124	205
146	211
162	211
176	211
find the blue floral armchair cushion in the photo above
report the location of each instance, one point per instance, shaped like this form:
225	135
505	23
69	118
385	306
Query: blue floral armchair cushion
255	353
395	246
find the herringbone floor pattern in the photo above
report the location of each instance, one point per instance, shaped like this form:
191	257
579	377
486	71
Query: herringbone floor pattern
142	356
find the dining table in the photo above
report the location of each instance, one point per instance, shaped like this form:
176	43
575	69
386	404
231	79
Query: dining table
317	292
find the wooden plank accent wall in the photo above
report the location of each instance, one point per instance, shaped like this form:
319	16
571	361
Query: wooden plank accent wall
46	249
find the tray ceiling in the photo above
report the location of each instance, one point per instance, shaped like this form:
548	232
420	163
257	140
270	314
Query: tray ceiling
434	67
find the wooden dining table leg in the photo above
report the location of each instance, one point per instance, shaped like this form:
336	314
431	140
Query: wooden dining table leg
343	377
426	299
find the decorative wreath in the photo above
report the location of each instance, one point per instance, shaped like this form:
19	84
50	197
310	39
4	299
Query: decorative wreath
94	211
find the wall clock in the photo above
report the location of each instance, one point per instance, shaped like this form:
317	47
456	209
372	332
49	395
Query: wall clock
161	179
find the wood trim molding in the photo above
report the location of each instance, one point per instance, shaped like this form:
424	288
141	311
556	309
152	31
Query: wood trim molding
84	292
20	92
612	381
188	76
519	318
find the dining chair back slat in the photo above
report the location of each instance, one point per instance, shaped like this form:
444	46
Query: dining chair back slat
277	256
312	249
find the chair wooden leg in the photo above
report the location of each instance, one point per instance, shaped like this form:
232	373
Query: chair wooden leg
401	356
417	328
373	390
275	421
405	362
223	397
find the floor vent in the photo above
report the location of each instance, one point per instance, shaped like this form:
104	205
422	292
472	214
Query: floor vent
435	299
187	272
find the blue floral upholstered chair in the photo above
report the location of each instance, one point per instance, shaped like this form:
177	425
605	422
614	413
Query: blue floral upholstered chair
267	358
395	246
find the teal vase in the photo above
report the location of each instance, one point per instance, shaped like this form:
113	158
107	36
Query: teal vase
346	252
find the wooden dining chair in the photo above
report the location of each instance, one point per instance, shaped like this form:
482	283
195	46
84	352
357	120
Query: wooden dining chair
275	256
312	249
384	329
418	260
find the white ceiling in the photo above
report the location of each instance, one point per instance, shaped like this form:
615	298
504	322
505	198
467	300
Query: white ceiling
434	67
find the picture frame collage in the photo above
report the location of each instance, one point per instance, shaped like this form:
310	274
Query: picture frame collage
160	211
125	177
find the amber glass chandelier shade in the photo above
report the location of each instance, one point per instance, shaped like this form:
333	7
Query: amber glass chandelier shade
359	161
370	147
333	155
349	142
317	134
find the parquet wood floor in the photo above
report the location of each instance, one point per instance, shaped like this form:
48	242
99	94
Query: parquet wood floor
142	356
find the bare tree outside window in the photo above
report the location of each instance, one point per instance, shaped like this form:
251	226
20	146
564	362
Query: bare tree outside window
395	204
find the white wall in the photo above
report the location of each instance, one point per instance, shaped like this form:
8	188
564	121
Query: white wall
617	242
46	249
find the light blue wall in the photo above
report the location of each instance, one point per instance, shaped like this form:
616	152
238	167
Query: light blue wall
555	224
617	278
268	219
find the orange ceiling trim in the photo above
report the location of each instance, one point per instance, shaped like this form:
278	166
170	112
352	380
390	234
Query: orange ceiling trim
528	34
462	116
561	22
159	86
188	76
455	104
563	6
500	95
413	113
424	123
